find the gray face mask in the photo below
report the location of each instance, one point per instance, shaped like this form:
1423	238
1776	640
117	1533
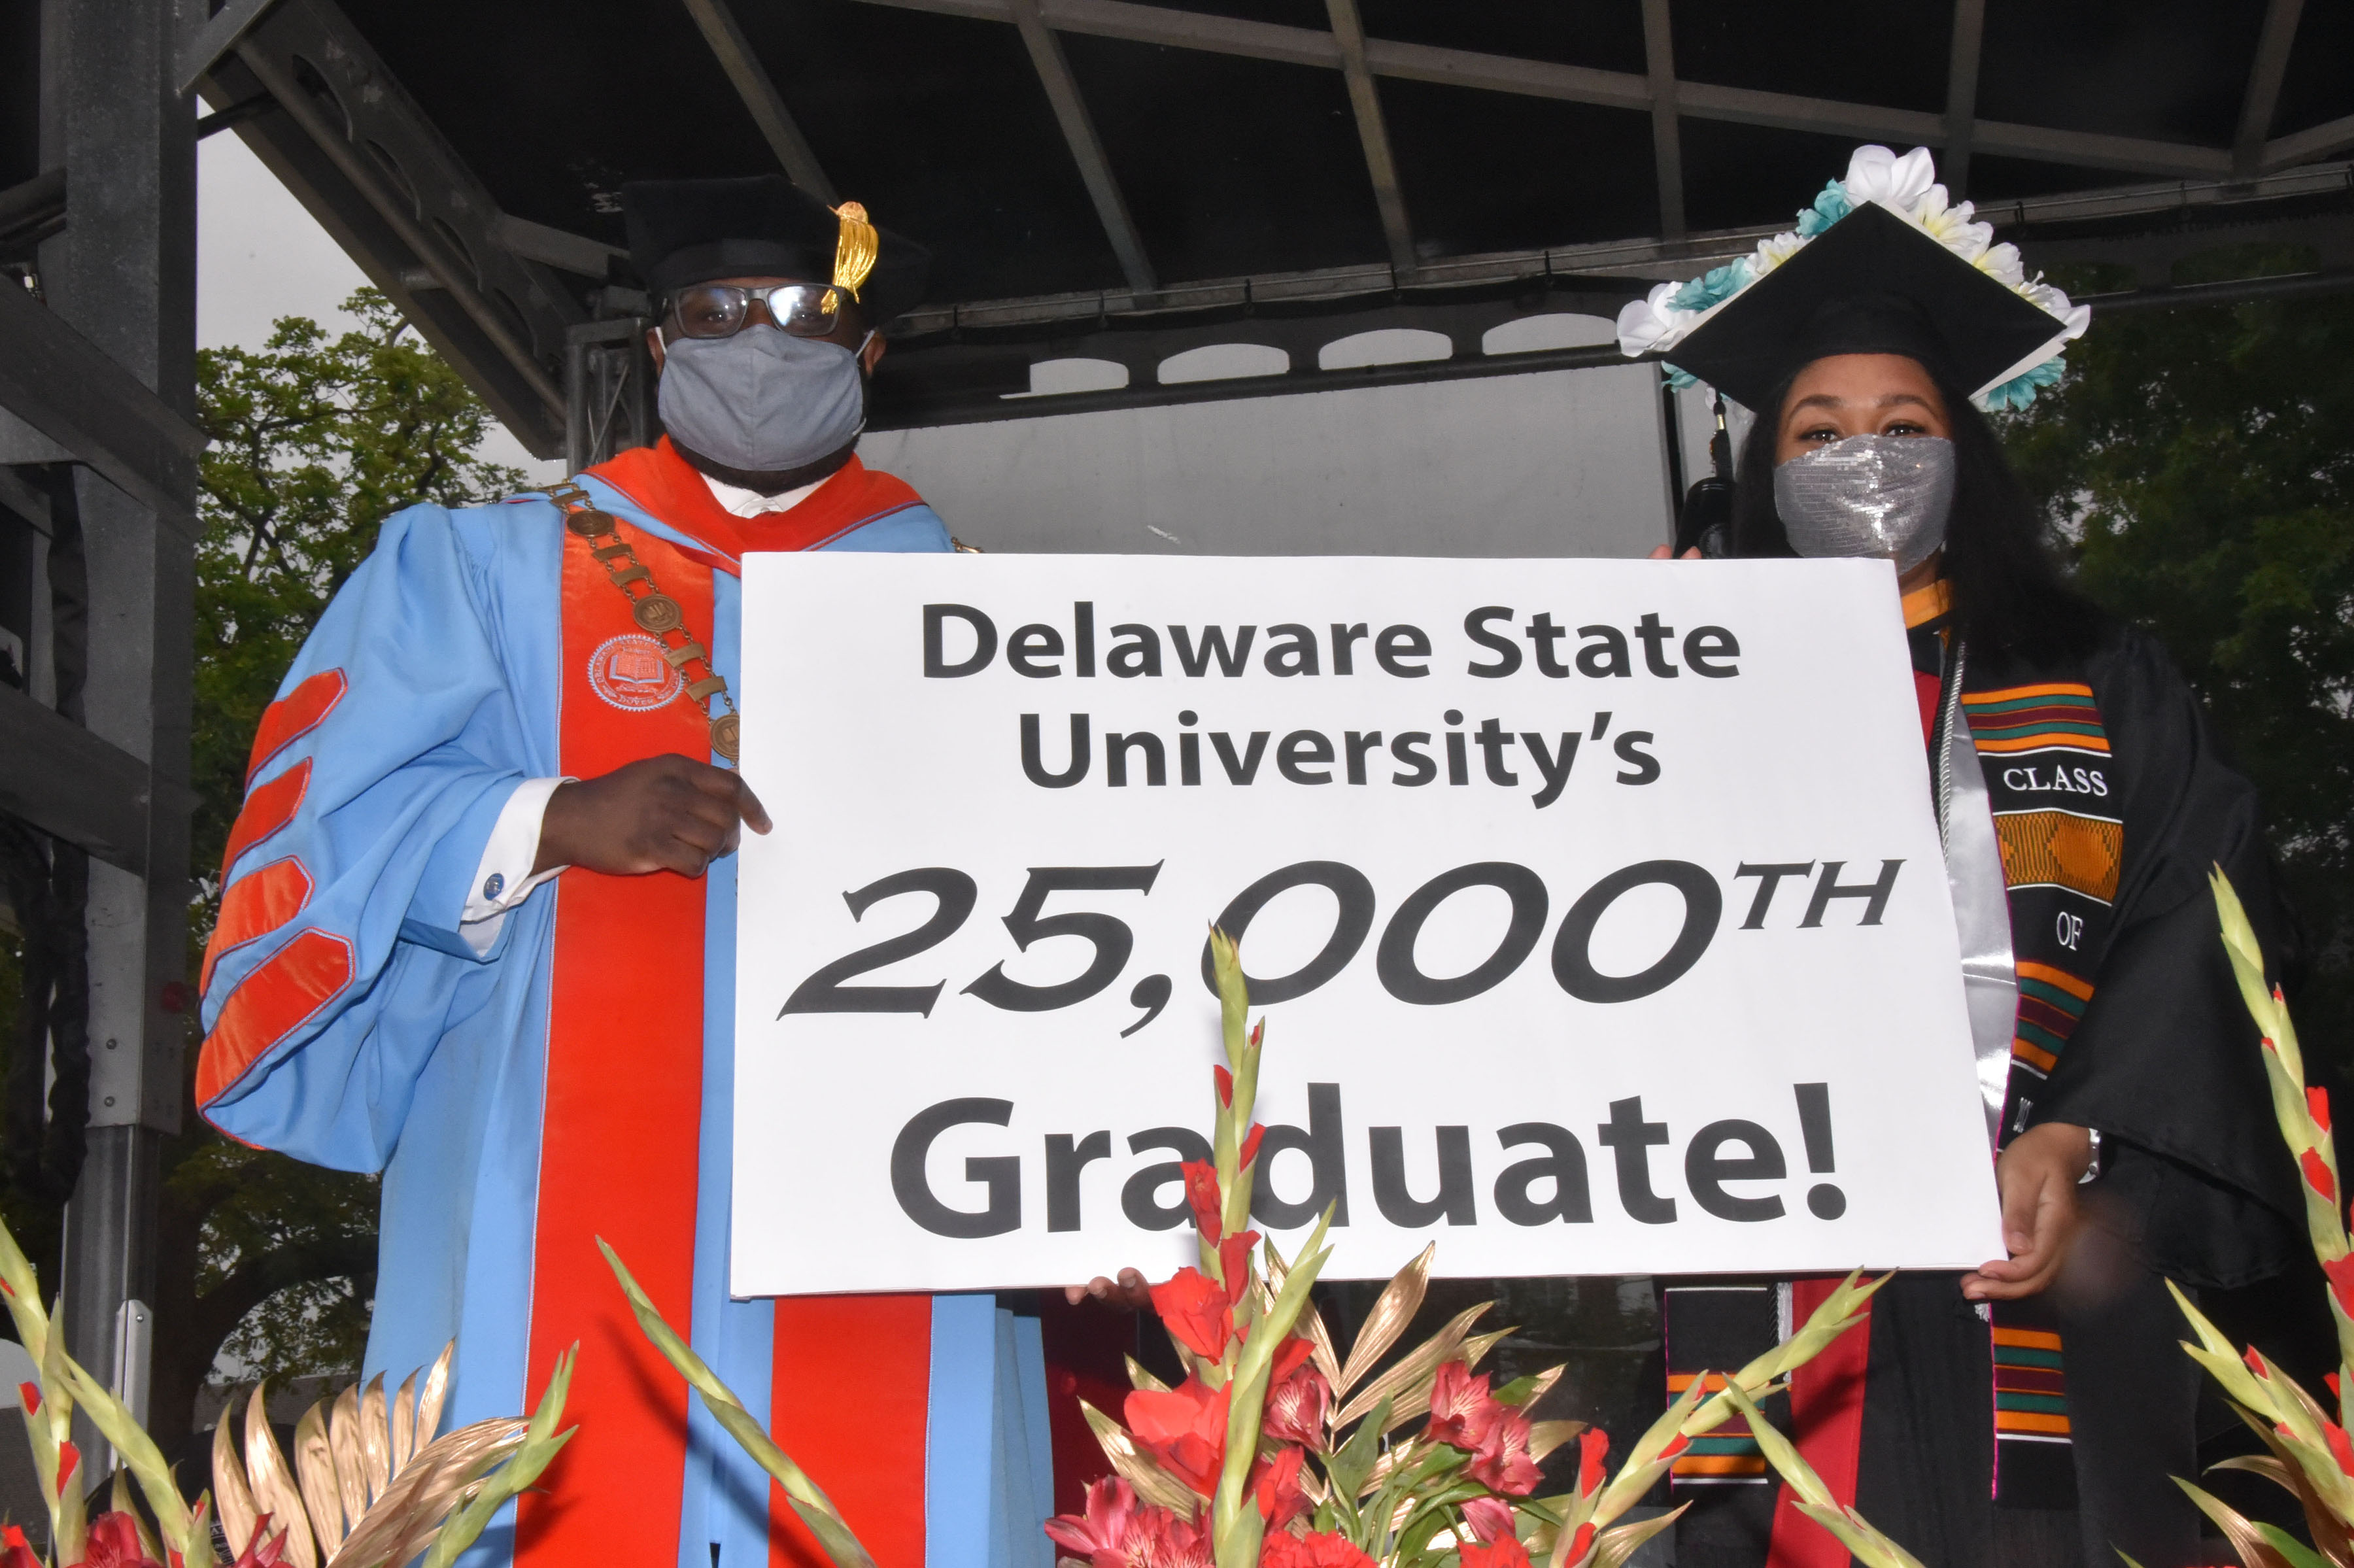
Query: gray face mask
1869	495
762	401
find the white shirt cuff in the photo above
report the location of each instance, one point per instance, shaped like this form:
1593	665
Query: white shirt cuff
504	877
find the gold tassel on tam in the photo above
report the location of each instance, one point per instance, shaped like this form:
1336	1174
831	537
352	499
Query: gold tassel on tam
856	250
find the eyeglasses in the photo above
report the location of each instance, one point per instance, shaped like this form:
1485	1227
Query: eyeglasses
720	310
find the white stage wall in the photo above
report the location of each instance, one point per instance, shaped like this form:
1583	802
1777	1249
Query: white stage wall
1565	463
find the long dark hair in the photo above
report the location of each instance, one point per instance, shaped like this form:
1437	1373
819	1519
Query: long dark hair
2010	595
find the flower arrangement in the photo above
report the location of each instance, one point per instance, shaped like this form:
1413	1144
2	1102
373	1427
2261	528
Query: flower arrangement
371	1486
1906	185
1276	1452
2310	1454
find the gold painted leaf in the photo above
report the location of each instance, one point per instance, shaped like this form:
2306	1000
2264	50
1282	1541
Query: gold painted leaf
1544	1436
274	1492
1138	1377
233	1498
376	1437
403	1521
1612	1548
541	1442
1420	1365
429	1401
1137	1469
404	1423
343	1446
1400	1299
315	1467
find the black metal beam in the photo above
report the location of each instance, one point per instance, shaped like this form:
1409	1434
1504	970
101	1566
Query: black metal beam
68	782
359	154
2264	78
57	381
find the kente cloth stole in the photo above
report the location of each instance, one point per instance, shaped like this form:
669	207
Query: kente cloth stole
620	1160
2044	753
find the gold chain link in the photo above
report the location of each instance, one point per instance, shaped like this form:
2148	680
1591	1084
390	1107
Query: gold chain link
656	613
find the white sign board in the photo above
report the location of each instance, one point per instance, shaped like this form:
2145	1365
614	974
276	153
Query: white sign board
1596	908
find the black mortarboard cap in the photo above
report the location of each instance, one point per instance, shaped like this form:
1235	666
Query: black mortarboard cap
1870	283
691	231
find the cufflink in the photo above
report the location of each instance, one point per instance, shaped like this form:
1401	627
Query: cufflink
493	884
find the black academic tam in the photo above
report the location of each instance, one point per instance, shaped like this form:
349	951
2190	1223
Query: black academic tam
691	231
1870	283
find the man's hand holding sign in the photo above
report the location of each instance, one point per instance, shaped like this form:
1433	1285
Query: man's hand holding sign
1623	841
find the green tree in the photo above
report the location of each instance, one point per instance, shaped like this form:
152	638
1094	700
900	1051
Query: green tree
316	439
2200	464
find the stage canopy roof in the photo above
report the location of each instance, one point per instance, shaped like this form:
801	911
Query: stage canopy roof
1122	180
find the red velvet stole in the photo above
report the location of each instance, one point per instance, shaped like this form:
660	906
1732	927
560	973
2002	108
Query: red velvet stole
623	1113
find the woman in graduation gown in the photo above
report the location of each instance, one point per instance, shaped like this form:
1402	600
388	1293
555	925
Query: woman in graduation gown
2035	1408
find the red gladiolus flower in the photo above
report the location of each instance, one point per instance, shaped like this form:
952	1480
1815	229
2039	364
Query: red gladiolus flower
1234	1262
1296	1407
265	1548
2316	1174
1290	1357
114	1543
1225	1082
1504	1552
2341	1282
1501	1462
1193	1307
2318	1102
1184	1428
2255	1363
1314	1549
1259	1031
1463	1411
30	1393
1250	1145
1581	1542
1202	1192
2339	1448
1276	1483
1592	1445
16	1552
68	1461
1489	1518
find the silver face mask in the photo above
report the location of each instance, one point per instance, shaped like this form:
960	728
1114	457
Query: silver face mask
1869	495
762	400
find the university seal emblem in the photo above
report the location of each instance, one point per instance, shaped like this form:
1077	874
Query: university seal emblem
631	672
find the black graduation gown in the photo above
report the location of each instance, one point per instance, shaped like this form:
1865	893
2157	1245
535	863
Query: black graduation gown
2195	1183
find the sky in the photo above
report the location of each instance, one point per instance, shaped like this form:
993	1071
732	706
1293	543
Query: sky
260	256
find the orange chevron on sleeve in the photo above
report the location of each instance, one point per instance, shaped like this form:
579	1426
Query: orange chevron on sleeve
270	1003
268	807
294	715
255	905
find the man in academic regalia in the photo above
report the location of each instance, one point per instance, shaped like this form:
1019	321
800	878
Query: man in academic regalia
478	932
2033	1411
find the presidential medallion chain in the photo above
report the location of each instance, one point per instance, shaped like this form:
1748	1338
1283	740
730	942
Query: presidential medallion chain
656	613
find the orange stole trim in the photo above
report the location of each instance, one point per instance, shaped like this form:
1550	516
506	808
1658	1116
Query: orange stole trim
624	1102
255	905
1927	603
2003	745
268	807
848	1399
669	487
2078	988
268	1005
294	715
